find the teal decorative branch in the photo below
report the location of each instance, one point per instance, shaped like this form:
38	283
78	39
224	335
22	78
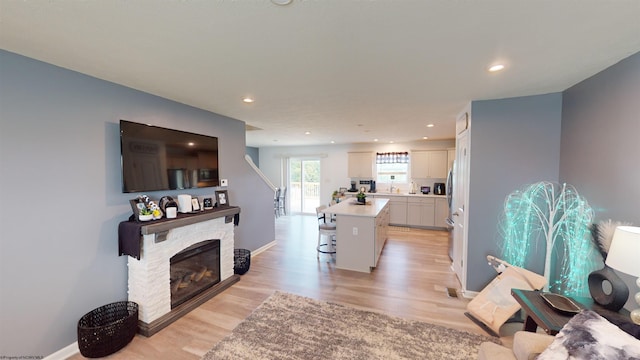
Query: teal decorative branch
557	217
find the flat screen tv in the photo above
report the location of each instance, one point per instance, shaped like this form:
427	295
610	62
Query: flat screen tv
155	158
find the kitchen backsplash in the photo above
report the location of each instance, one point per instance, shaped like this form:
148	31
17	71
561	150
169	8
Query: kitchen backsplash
404	188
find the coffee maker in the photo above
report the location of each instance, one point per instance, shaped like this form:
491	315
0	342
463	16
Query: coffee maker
353	187
372	186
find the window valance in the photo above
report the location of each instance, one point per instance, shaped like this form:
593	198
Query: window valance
392	158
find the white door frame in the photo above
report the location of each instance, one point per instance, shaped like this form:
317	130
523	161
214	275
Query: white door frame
460	216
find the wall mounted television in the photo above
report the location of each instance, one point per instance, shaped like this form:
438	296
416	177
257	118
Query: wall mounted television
155	158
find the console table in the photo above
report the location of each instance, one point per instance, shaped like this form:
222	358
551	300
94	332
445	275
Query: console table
540	314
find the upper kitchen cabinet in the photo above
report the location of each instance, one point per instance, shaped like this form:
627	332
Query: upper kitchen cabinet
360	165
429	164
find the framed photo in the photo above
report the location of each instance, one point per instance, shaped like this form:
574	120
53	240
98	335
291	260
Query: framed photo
136	206
222	198
195	205
140	203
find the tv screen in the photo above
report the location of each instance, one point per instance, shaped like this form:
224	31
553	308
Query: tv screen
154	158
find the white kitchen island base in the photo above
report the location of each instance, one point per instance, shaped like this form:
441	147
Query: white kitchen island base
361	232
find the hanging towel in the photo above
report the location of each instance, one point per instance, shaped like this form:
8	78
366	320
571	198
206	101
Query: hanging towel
129	239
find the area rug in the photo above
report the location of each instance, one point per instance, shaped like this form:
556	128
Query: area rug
287	326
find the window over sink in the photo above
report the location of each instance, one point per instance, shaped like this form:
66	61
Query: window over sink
392	167
384	172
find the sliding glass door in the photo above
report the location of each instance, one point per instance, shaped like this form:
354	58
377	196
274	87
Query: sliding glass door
304	185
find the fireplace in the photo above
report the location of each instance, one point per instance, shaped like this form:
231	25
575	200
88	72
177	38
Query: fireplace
194	270
152	281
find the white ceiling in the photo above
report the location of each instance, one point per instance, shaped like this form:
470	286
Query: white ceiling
348	71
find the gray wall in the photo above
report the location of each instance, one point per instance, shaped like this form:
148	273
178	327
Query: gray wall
585	136
62	200
600	147
514	142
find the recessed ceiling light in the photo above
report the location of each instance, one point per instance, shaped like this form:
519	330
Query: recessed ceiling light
375	139
333	142
307	133
282	2
391	142
430	125
191	144
496	67
247	100
425	137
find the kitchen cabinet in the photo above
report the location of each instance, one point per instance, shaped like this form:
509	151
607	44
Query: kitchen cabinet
382	226
429	164
397	209
441	213
420	211
413	210
360	165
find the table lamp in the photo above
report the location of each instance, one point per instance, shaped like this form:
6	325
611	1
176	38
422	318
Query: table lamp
624	256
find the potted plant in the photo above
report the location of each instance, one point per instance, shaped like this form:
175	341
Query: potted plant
147	209
361	197
146	214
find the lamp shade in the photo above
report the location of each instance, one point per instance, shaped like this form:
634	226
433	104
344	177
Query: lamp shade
624	252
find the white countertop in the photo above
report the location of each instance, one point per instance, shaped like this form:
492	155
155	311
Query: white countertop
350	207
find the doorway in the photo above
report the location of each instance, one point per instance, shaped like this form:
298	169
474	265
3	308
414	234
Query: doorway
304	185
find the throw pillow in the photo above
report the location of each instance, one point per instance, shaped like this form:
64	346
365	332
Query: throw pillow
589	336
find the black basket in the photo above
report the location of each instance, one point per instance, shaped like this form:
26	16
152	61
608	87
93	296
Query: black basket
107	329
241	260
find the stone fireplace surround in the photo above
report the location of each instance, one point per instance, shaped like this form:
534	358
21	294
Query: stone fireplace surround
149	277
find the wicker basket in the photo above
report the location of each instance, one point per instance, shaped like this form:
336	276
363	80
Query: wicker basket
242	261
107	329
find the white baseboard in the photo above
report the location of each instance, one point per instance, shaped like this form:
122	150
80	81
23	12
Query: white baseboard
263	249
467	294
64	353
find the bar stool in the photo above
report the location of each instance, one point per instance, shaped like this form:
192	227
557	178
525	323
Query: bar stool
326	230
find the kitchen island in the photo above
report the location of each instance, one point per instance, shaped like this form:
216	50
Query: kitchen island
361	231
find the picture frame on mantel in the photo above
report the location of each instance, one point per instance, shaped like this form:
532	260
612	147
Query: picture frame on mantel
222	198
136	206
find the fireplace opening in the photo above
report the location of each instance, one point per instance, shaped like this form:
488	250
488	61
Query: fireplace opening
194	270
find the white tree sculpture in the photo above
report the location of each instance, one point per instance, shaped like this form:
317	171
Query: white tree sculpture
557	216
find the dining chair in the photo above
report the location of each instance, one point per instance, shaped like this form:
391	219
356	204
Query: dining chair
276	202
282	200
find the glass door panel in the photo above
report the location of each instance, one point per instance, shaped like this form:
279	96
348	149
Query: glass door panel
304	185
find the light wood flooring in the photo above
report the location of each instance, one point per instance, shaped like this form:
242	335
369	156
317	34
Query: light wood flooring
409	282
